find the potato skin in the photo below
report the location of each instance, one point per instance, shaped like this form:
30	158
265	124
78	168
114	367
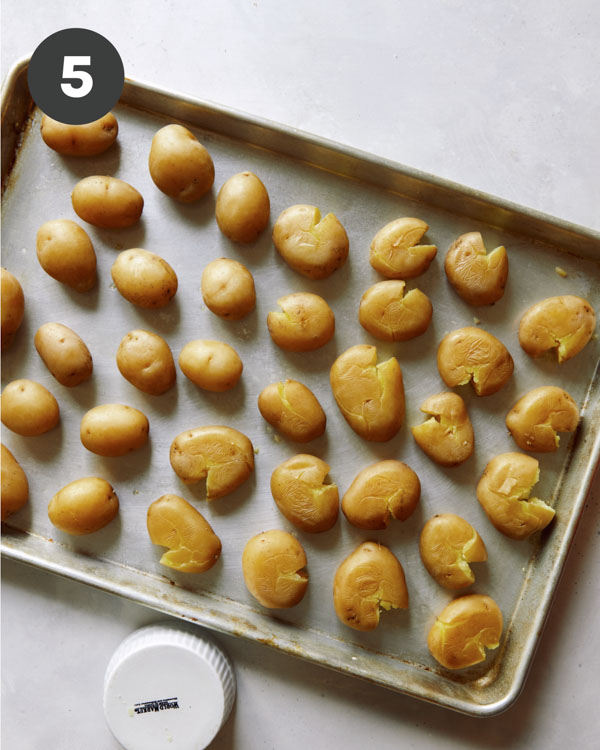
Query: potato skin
90	139
447	436
15	487
292	409
243	207
144	278
477	277
66	253
306	322
395	252
13	307
107	202
390	315
83	506
193	546
272	564
228	289
179	164
64	353
28	408
211	365
537	417
447	545
311	245
114	430
145	360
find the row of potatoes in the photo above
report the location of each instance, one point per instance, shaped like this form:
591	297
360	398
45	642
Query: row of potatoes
369	395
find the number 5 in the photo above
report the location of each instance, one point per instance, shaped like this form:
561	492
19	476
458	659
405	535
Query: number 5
69	63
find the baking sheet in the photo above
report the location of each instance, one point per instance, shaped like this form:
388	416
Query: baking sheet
519	575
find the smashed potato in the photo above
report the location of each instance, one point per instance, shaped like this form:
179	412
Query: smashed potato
221	455
83	506
193	546
145	360
66	253
447	545
179	164
273	566
301	494
395	252
15	487
90	139
212	365
28	408
243	207
564	323
447	436
228	289
64	353
537	418
13	307
369	395
384	490
472	354
504	493
390	315
305	323
464	629
370	579
477	277
292	409
311	245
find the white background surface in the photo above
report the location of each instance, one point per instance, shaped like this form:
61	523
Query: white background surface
504	97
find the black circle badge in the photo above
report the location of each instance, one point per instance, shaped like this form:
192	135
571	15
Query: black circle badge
76	76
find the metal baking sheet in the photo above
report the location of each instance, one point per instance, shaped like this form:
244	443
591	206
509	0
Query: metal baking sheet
364	192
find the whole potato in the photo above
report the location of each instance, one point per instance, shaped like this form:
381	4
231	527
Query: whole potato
212	365
447	545
15	487
306	322
478	278
228	289
64	354
113	430
179	164
273	566
447	436
537	418
390	315
144	278
90	139
193	546
28	408
107	202
13	307
83	506
311	245
395	250
146	361
243	207
292	409
66	253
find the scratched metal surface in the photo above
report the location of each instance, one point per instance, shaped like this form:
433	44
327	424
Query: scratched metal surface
520	576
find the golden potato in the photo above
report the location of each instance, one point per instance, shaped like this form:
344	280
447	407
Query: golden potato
66	253
369	579
395	252
313	246
305	323
299	489
107	202
273	566
564	323
90	139
472	354
146	361
464	629
447	436
221	455
28	408
212	365
293	409
144	278
539	415
386	313
228	289
83	506
114	430
369	395
382	490
15	487
243	207
477	277
193	546
504	493
64	353
13	307
447	545
179	164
